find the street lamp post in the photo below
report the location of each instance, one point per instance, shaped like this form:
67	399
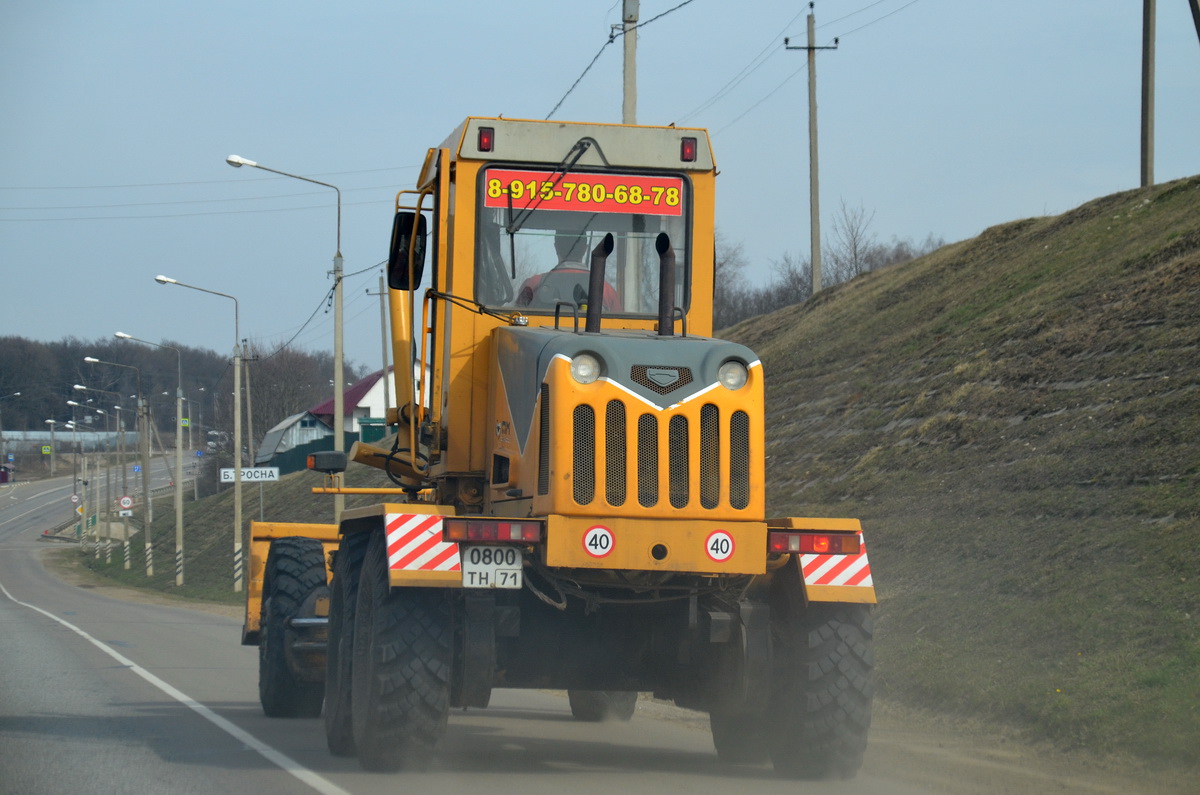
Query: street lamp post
108	502
339	414
178	451
51	423
3	451
143	438
239	359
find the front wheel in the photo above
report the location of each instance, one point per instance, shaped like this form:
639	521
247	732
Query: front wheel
598	705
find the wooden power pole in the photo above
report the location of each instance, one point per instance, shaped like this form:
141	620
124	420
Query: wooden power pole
1148	25
814	191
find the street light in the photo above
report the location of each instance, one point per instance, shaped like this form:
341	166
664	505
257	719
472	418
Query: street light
51	423
143	432
3	452
108	501
339	414
178	451
239	358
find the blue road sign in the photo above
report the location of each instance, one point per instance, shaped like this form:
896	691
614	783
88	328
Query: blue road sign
137	467
199	453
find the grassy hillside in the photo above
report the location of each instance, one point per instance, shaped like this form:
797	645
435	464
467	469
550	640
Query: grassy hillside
1016	418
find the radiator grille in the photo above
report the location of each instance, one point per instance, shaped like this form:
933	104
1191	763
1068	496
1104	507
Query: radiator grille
710	456
677	467
647	460
661	379
713	452
739	460
614	452
584	454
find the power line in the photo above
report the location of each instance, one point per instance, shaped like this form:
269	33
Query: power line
737	79
328	294
879	19
187	201
790	77
204	182
611	38
189	215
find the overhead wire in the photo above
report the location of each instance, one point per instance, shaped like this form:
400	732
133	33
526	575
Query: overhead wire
791	76
612	36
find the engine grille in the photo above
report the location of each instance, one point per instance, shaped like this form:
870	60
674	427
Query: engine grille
720	445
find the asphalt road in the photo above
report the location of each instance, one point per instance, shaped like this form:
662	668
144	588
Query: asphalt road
99	694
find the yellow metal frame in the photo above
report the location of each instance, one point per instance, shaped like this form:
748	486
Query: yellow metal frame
261	536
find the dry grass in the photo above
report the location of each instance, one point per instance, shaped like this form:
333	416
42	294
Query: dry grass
1016	417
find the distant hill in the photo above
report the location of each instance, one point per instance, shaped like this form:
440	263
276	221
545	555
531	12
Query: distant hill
1017	420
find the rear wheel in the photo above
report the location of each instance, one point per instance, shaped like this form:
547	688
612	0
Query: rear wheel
295	568
820	708
347	568
598	705
401	668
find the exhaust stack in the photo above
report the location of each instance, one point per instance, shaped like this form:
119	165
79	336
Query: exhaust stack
666	285
596	283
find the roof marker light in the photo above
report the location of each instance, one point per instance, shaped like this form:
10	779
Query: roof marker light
687	150
487	139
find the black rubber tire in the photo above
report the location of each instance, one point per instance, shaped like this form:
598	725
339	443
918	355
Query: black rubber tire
820	708
598	705
401	668
295	568
343	598
739	738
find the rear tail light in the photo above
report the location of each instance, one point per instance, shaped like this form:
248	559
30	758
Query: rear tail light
491	530
813	543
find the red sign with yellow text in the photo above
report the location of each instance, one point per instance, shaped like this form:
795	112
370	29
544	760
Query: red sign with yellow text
596	193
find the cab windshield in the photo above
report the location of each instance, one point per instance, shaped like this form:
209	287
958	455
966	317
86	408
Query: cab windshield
537	229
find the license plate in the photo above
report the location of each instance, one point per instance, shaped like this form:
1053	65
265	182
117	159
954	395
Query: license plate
491	567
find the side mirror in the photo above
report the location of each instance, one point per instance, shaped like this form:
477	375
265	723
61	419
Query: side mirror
404	226
327	461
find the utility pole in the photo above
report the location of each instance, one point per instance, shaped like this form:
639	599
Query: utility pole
813	178
147	503
387	395
629	18
1149	13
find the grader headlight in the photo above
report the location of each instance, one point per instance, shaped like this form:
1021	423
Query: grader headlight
733	375
585	368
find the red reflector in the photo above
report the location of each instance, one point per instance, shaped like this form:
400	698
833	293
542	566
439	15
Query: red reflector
487	139
687	150
491	530
813	543
309	462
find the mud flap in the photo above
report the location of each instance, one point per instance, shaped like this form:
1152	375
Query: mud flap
472	686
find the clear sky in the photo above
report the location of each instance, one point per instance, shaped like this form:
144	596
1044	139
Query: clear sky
938	116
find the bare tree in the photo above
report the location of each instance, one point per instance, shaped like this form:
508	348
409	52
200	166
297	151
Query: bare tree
854	246
729	264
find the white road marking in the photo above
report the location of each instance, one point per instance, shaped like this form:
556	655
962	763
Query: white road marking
276	757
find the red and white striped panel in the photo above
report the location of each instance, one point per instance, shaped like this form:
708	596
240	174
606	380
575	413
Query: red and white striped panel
414	542
838	569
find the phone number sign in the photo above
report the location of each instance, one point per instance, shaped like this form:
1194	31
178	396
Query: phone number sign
596	193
